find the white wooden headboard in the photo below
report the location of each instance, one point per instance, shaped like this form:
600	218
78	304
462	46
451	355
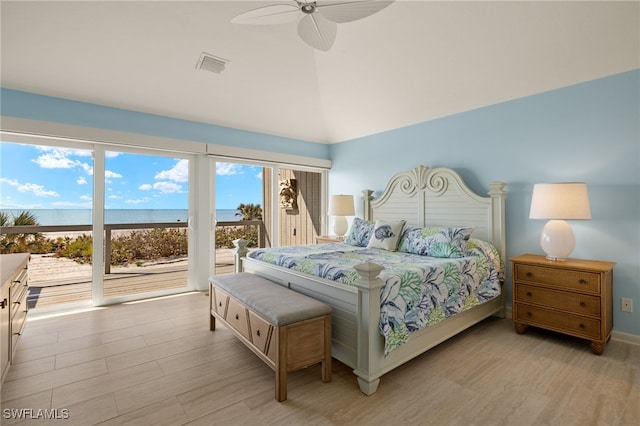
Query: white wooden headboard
439	197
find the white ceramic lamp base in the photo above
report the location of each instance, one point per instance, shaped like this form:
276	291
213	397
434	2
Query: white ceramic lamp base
557	240
340	225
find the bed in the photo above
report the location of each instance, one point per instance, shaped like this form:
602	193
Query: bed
421	198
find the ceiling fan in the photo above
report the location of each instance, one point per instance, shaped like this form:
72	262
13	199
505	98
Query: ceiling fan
319	21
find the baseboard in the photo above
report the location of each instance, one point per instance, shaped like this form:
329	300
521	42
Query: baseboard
620	336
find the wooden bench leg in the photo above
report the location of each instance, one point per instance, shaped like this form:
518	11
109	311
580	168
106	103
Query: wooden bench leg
326	362
281	364
212	322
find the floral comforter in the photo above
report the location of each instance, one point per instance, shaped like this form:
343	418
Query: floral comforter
419	291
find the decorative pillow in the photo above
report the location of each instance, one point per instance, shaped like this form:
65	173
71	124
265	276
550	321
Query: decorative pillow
435	242
386	235
360	233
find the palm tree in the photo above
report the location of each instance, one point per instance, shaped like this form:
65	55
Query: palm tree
249	211
19	243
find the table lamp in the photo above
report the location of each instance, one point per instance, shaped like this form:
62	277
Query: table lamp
341	206
559	202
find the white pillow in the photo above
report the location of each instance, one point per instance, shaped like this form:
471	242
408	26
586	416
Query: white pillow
386	234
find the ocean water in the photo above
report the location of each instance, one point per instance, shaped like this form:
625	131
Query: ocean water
83	216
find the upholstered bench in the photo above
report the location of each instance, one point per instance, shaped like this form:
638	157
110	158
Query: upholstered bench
286	329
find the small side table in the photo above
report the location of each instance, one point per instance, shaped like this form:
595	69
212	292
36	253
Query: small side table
571	296
321	239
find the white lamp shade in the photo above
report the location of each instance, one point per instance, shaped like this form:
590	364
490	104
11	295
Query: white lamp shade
341	205
565	200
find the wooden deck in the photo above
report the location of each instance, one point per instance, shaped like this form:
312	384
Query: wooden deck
48	289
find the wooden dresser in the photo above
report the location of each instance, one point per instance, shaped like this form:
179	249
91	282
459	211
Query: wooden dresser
573	296
13	303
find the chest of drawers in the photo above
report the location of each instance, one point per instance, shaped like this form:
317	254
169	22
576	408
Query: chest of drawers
573	296
13	305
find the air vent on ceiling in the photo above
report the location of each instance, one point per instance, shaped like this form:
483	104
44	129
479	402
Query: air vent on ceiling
211	63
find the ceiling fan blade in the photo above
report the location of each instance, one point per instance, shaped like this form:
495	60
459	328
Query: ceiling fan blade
266	15
317	31
351	11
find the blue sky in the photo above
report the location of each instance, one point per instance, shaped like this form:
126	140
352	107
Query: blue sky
38	177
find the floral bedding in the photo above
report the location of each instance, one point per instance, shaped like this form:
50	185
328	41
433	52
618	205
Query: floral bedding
419	291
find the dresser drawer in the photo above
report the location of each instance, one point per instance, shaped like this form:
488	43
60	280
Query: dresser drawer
18	318
220	299
238	317
573	302
565	279
576	325
260	331
20	282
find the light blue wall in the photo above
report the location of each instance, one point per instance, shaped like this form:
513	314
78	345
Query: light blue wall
588	132
37	107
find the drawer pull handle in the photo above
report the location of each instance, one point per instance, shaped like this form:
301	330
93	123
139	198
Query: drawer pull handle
582	281
237	317
529	314
258	333
529	274
4	303
581	326
17	334
16	303
220	304
529	294
583	304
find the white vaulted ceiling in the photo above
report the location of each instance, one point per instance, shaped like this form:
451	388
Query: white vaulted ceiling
411	62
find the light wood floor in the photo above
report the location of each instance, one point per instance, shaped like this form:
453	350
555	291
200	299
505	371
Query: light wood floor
157	363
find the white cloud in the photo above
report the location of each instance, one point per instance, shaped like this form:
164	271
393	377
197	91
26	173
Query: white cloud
227	169
163	187
86	198
56	160
179	172
37	190
109	174
81	180
167	187
11	182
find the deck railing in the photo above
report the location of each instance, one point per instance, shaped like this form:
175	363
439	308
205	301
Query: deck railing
109	228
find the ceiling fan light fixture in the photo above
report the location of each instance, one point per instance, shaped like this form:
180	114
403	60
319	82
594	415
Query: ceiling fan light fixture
211	63
307	7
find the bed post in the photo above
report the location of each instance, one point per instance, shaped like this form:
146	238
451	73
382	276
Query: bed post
239	252
368	316
497	225
497	230
366	204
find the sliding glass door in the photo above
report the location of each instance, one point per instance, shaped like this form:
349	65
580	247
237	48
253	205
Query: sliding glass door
146	217
47	191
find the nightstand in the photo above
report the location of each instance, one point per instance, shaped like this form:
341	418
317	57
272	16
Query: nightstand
572	296
321	239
